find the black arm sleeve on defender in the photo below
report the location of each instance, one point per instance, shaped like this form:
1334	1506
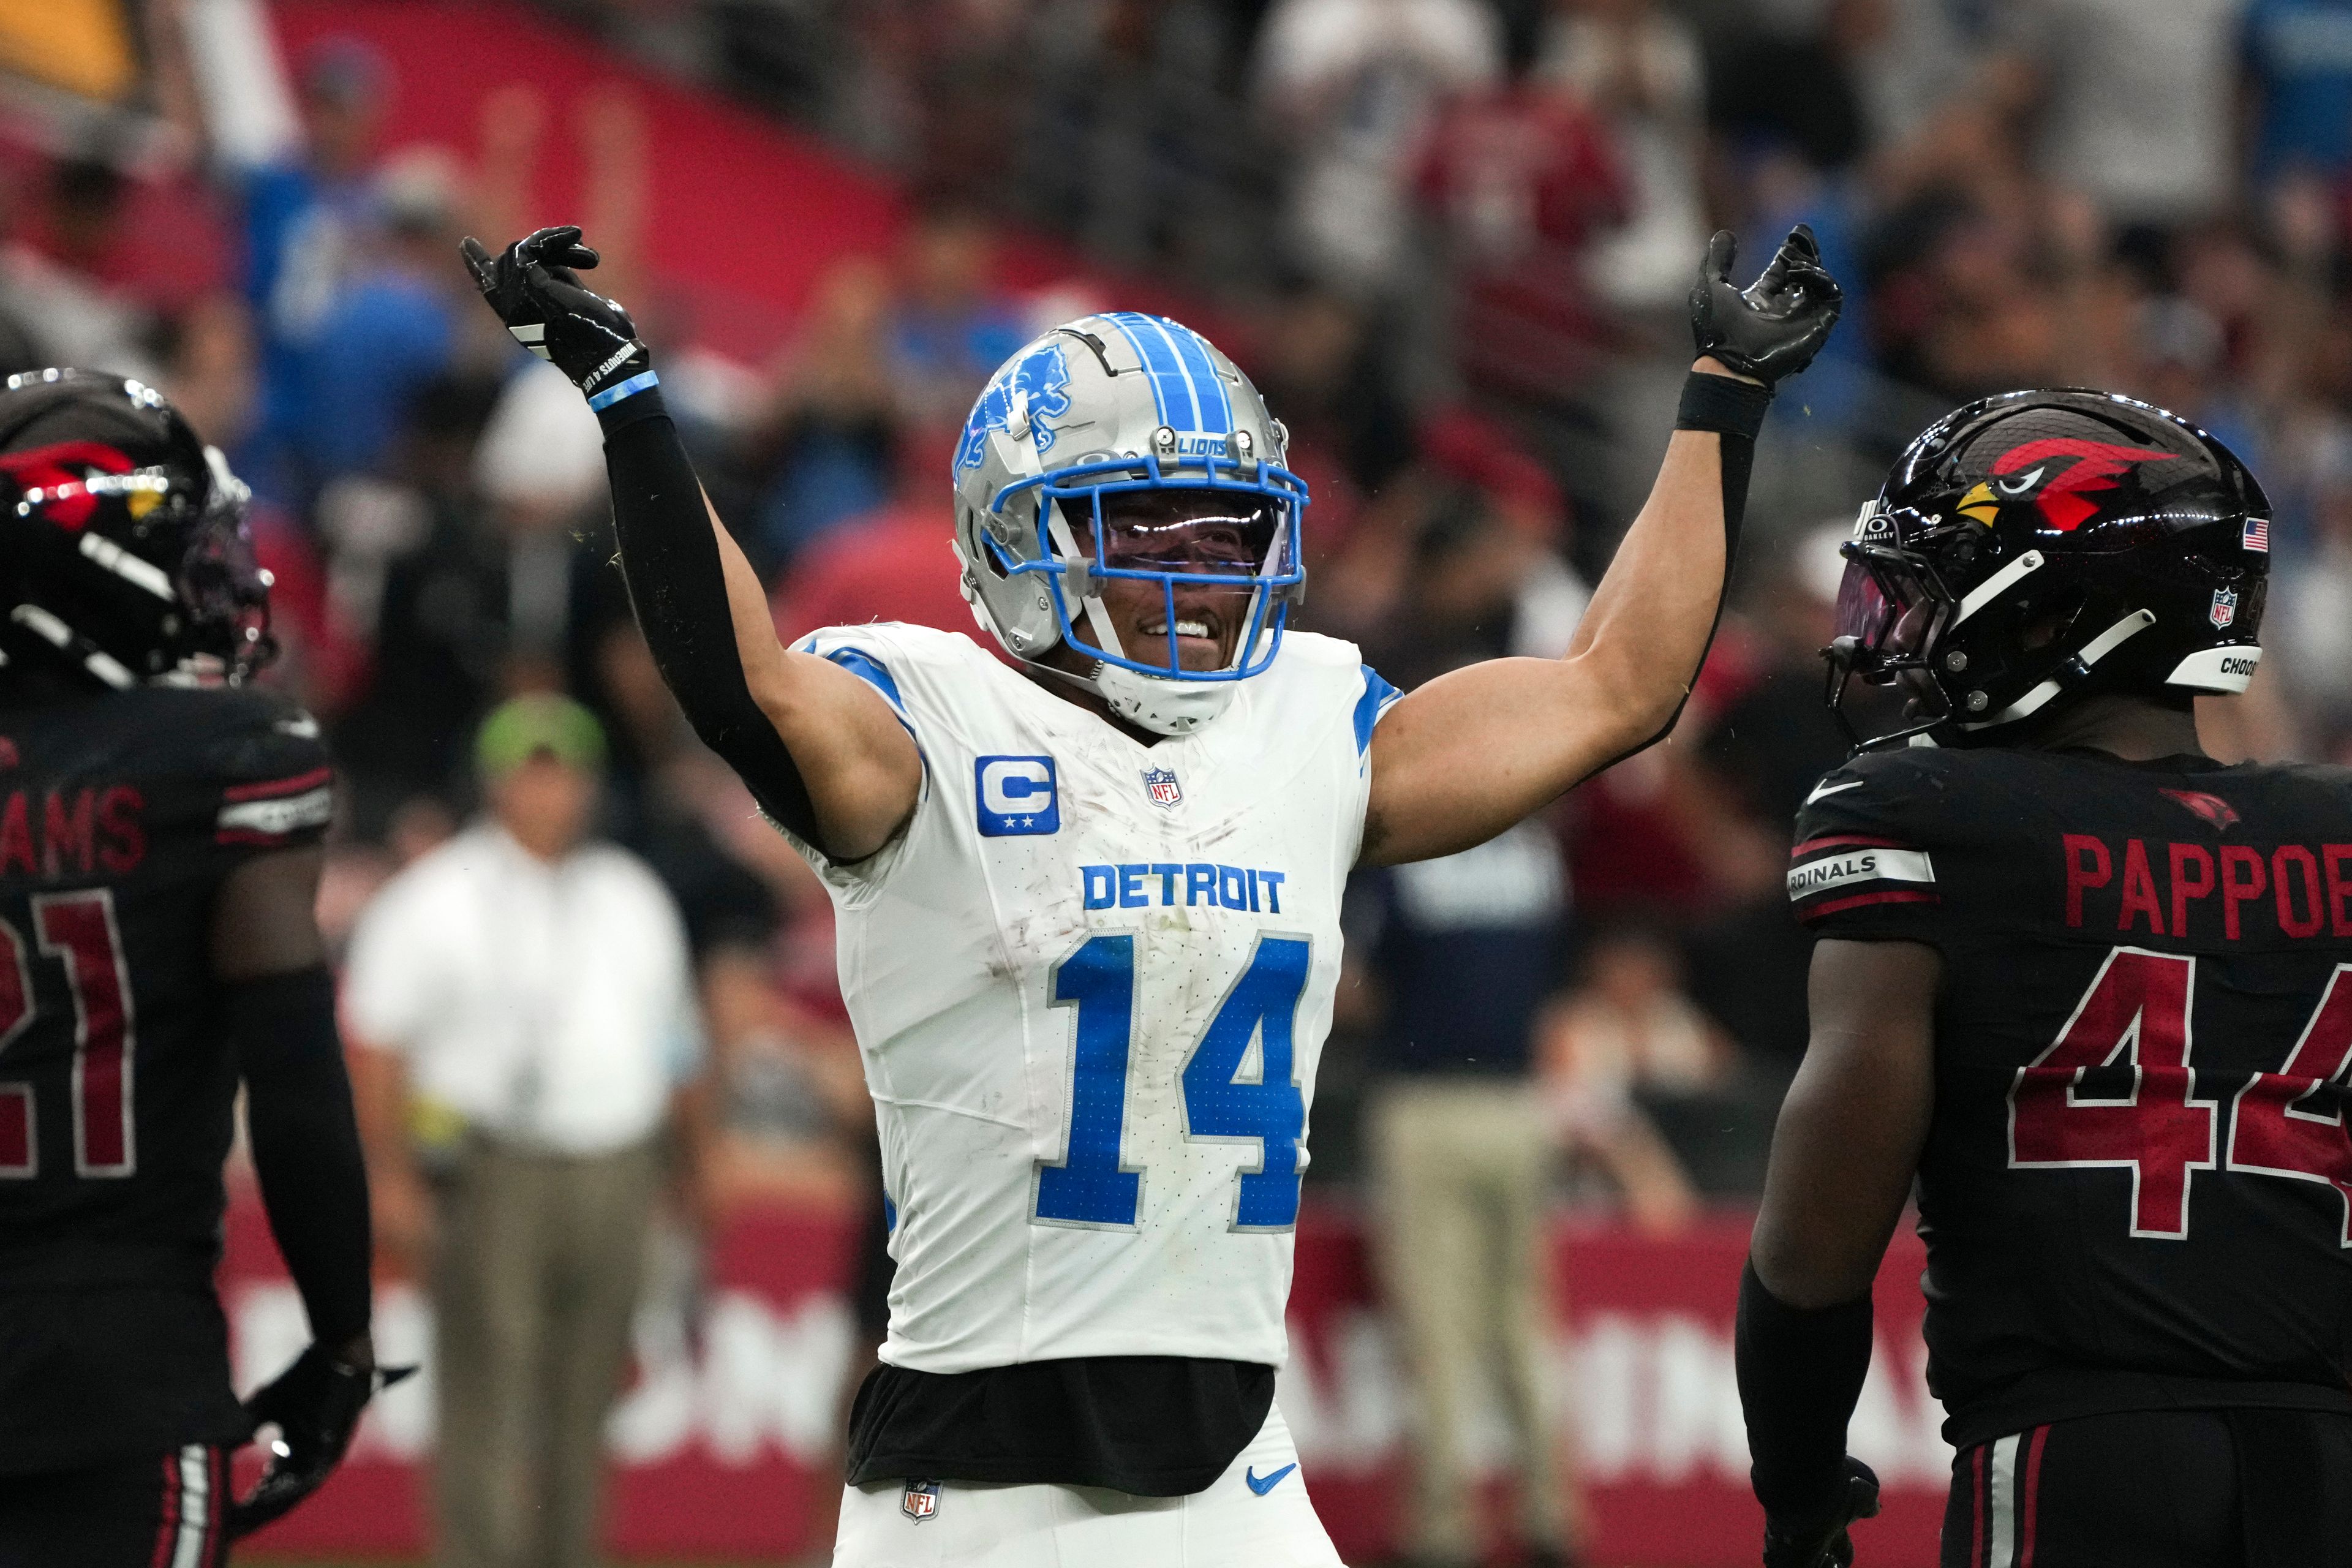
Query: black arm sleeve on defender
306	1141
1799	1374
678	588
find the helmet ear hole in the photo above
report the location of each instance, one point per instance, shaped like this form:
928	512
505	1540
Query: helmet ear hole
984	559
2045	622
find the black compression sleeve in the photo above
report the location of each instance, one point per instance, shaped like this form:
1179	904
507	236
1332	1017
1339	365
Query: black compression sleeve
1799	1373
306	1141
670	559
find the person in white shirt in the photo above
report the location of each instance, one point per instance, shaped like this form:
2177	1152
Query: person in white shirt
522	1000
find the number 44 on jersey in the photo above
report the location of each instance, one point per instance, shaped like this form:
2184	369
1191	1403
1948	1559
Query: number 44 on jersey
2117	1088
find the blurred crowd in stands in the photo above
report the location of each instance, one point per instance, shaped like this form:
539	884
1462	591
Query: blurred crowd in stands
1450	239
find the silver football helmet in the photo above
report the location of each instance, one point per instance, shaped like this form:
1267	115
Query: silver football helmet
1096	408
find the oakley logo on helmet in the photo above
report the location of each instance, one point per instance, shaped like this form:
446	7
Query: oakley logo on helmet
57	478
1035	388
2056	473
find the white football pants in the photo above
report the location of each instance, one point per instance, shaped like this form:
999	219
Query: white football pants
972	1524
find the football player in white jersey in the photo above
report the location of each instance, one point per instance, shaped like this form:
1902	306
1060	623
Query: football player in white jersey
1088	898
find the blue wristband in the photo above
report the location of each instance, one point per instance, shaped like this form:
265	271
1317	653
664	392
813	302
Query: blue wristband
614	394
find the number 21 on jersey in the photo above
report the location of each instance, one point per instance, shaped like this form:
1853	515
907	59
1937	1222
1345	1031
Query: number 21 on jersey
1090	1186
80	929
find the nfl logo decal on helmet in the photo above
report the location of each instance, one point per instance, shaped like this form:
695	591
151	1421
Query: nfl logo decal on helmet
920	1500
2225	607
1160	784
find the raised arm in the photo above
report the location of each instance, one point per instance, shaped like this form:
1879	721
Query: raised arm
1474	751
1843	1155
822	751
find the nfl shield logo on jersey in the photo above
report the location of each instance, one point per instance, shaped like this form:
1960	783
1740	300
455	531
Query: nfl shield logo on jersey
1160	785
920	1501
2225	607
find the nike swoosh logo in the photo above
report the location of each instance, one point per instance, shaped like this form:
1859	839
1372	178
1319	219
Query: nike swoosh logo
1825	789
1270	1482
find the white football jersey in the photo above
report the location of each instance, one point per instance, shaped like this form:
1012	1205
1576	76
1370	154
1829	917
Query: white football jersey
1090	982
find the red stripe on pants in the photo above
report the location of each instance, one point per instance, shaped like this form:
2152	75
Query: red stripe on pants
1976	1506
2036	1441
215	1505
170	1529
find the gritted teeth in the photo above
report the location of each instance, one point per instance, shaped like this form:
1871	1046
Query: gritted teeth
1185	628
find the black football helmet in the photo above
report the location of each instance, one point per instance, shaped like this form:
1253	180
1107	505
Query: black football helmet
2035	547
126	556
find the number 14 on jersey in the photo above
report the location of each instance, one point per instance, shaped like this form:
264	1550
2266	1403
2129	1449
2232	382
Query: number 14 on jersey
1091	1187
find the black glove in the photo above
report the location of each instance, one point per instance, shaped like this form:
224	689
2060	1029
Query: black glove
1823	1543
536	293
315	1403
1774	326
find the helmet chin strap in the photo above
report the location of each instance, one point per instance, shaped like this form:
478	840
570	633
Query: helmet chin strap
1163	707
99	664
2074	674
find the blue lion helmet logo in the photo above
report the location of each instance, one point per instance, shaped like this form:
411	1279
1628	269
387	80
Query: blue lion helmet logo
1040	374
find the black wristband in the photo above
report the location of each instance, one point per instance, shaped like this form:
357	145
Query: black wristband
641	404
1800	1372
1722	403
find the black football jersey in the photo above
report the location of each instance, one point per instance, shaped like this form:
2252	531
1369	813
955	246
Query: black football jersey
2137	1190
119	815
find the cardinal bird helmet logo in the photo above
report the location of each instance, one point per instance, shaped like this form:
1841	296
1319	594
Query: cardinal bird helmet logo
68	478
2057	475
2212	807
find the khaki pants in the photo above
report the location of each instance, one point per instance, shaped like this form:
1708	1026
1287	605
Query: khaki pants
535	1289
1459	1169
